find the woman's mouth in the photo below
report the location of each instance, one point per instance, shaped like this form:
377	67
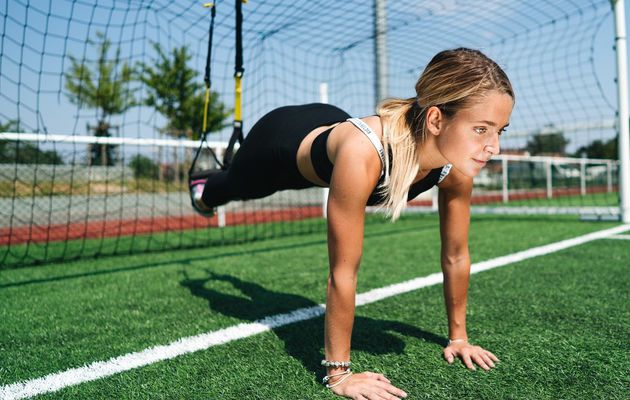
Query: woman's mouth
481	163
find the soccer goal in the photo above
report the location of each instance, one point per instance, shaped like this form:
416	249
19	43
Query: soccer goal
101	108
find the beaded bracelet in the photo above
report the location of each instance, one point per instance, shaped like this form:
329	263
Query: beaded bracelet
327	377
336	364
347	374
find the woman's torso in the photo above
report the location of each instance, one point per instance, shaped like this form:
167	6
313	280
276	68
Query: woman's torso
317	152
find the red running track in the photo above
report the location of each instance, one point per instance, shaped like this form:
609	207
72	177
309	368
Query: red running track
113	228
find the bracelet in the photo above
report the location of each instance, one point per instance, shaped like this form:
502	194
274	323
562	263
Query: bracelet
340	381
450	341
327	377
336	364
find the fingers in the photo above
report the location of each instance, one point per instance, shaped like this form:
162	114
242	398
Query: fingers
488	360
492	356
485	359
470	356
369	386
467	360
479	360
449	356
383	394
389	391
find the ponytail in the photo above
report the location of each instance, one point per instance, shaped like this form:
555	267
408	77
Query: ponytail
400	143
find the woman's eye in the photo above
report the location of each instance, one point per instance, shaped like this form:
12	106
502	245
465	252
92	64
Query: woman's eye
502	131
480	130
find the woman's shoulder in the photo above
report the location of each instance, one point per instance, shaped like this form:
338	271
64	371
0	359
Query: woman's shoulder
374	122
348	132
346	140
349	135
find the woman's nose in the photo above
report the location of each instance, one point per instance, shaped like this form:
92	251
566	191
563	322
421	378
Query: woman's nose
493	147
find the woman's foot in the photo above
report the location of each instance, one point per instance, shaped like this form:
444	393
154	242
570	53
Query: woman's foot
196	186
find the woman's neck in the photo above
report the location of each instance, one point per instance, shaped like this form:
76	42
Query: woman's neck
429	155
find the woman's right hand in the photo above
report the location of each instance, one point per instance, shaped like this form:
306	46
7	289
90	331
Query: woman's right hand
368	386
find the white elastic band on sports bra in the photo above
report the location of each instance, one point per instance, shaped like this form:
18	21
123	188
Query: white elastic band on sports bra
373	138
445	170
379	146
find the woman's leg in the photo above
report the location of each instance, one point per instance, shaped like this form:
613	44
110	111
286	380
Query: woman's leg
210	189
266	161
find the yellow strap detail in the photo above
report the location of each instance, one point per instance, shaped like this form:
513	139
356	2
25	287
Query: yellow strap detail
205	109
237	99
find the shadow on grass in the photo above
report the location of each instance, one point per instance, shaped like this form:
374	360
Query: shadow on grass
303	342
190	260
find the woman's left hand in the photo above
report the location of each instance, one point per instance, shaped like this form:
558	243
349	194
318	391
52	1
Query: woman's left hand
470	355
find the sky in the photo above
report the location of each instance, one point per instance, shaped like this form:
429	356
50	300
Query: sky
291	47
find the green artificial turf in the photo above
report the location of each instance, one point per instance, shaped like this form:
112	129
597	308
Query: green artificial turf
557	322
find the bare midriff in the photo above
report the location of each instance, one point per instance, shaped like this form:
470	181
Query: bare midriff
304	162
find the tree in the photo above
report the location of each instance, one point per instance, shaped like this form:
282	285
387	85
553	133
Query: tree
600	149
547	141
10	126
23	152
173	90
105	86
143	167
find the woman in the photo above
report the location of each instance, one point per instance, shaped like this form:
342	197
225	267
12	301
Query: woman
443	137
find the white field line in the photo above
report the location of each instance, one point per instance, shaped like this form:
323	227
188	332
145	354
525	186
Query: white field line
622	237
102	369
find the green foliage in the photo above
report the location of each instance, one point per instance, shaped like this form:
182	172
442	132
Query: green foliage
106	87
143	167
547	141
14	152
174	91
10	126
600	149
27	153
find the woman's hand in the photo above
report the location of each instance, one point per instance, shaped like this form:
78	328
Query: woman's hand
469	354
368	386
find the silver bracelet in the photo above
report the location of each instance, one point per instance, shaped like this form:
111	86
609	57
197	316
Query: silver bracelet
327	377
336	364
347	374
456	340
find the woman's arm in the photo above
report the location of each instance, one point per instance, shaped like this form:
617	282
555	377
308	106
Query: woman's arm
356	173
346	214
454	208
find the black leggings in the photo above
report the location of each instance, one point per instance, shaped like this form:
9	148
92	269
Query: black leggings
266	162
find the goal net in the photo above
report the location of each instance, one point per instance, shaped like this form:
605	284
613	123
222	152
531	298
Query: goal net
101	104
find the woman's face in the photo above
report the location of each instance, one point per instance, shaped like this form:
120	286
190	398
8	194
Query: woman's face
471	137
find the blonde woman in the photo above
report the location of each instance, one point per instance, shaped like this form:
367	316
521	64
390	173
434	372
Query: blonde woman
443	136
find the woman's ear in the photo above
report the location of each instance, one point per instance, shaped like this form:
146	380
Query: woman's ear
434	120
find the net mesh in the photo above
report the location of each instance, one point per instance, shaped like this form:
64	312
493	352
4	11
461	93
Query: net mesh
65	199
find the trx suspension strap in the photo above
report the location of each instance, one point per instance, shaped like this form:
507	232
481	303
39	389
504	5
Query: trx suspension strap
207	98
237	133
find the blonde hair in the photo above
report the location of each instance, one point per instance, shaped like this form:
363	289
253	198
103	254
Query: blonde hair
453	79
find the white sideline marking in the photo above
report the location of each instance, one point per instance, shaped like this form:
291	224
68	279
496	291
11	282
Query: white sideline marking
622	237
102	369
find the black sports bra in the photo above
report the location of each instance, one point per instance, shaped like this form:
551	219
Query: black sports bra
324	167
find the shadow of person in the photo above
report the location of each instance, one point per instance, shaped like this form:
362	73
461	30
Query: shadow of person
303	341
